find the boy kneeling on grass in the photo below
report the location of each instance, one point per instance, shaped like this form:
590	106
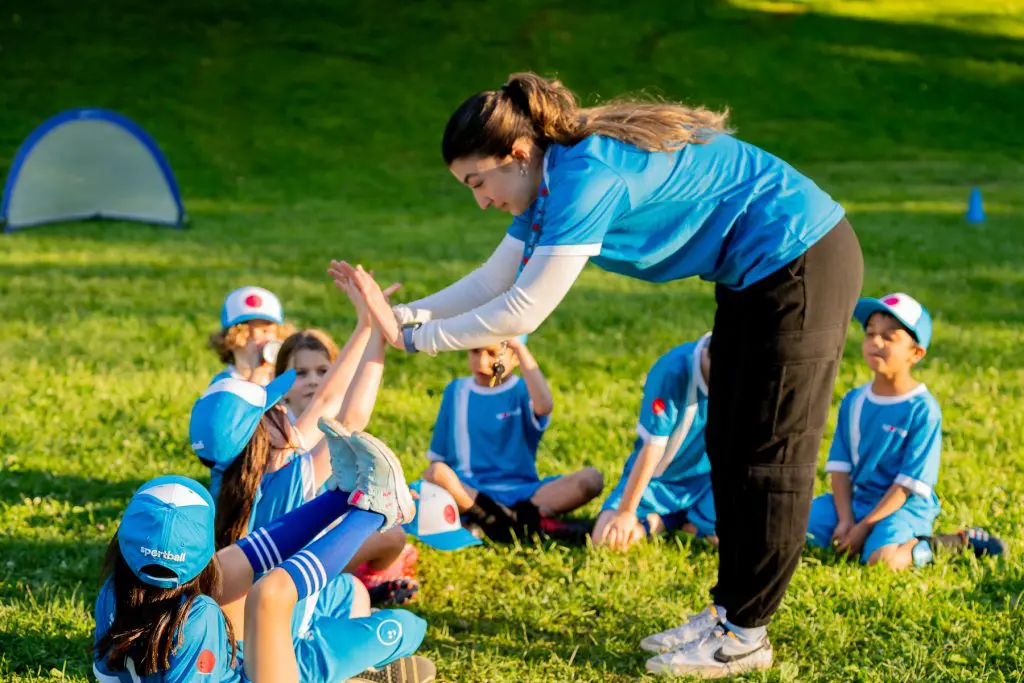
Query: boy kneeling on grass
884	460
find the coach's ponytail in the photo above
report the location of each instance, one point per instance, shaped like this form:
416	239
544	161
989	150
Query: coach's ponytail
545	111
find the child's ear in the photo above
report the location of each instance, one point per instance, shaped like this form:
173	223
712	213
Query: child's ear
918	353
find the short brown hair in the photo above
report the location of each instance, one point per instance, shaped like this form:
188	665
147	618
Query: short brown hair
225	342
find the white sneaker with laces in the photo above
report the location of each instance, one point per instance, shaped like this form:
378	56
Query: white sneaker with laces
718	655
697	627
343	458
380	482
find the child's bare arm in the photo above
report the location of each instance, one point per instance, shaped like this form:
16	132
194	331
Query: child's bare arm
536	383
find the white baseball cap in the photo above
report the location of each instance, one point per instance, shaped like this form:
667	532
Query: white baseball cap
437	522
250	303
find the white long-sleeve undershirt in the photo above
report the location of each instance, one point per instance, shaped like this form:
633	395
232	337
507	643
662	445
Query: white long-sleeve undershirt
495	276
489	306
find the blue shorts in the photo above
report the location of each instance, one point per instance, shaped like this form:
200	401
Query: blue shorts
911	521
336	649
334	601
693	496
509	495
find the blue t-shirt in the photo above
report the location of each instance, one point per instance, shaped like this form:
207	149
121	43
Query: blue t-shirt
204	654
725	210
488	435
674	413
886	440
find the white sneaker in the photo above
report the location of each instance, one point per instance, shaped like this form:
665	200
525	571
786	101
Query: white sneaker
697	627
719	655
343	458
380	483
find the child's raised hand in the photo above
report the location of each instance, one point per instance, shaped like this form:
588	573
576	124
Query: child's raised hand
376	299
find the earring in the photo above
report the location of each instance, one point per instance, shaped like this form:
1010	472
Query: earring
522	169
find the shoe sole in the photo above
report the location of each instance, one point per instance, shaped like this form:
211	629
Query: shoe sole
406	506
719	671
413	669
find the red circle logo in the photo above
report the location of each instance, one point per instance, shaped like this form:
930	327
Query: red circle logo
891	300
253	301
658	406
206	662
449	513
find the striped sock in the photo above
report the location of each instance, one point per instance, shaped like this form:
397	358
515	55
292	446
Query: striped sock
269	546
323	559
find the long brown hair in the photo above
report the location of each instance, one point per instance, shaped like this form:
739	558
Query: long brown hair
533	107
241	480
310	339
148	621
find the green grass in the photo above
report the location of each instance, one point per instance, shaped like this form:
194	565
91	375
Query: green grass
305	130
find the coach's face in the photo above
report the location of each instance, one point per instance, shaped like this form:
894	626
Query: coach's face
509	184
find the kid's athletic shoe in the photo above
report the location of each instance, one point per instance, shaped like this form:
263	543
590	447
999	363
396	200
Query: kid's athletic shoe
413	669
380	483
982	542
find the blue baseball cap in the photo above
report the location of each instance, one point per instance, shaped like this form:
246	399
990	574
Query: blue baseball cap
168	523
437	522
250	303
904	308
226	416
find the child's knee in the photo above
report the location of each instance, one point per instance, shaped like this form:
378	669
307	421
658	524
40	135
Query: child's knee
591	482
436	472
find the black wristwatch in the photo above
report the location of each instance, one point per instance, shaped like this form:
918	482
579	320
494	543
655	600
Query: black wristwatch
407	331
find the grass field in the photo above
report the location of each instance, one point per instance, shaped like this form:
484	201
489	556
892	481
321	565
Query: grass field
310	129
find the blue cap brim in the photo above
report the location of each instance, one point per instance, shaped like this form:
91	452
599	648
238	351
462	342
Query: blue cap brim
455	539
279	386
251	316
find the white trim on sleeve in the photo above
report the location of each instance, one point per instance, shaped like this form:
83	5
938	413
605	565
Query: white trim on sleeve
642	432
838	466
569	250
916	486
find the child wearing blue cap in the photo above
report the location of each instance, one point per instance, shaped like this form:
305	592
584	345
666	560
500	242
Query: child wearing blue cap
884	459
252	329
666	482
159	616
484	448
259	470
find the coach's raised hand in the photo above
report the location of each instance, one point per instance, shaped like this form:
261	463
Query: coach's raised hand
376	298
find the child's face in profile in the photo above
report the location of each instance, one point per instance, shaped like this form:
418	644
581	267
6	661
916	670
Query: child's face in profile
481	363
889	349
310	367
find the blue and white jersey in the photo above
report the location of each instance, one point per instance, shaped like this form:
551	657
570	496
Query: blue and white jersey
228	371
204	654
886	440
488	435
725	210
674	413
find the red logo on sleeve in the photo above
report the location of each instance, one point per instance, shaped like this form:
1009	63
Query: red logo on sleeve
253	301
658	406
206	662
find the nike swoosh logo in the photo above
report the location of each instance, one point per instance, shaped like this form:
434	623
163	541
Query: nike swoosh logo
720	656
